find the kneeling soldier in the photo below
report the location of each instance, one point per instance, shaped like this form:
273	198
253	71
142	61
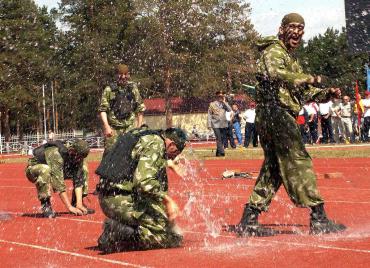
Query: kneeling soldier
52	163
133	191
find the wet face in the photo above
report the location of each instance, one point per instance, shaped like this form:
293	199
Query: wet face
122	78
171	149
291	35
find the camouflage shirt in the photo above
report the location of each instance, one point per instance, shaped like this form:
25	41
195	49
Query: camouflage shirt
108	97
277	70
149	151
59	170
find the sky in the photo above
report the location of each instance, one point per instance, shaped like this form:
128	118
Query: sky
266	15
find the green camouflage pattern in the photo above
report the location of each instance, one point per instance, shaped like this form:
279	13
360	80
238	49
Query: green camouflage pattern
142	203
109	95
51	176
282	70
119	126
286	159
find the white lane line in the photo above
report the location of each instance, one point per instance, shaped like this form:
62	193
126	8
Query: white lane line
71	253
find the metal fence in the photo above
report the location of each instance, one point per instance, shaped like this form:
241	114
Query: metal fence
29	142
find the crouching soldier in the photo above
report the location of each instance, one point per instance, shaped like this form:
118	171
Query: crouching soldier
133	191
52	163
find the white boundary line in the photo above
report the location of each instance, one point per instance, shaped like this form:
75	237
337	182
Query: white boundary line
71	253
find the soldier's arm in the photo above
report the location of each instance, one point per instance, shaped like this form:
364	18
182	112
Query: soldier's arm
150	162
275	64
55	162
103	109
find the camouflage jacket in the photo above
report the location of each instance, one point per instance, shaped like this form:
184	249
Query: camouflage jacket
277	71
60	169
149	151
108	97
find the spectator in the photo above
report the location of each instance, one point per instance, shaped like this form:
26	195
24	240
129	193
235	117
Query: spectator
336	119
236	123
346	114
229	137
302	120
50	135
366	103
325	118
250	129
356	110
312	109
217	120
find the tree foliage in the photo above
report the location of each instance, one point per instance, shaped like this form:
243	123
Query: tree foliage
328	55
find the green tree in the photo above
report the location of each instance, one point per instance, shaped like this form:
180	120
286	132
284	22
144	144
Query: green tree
186	48
26	48
328	54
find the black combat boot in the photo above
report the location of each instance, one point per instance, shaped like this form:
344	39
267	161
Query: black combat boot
249	226
320	224
74	202
117	237
47	210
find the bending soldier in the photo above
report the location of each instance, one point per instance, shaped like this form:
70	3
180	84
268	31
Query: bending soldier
54	162
120	106
282	90
133	191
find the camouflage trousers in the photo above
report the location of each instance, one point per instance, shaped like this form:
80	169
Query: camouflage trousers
148	217
286	161
41	176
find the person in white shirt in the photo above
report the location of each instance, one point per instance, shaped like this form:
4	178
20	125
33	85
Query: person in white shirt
346	115
325	118
250	129
312	108
366	103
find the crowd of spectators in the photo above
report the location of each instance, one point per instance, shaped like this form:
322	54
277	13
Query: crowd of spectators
335	121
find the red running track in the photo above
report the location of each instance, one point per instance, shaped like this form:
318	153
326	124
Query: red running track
208	203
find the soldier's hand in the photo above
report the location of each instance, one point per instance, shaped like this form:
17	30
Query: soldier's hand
108	131
83	209
172	208
75	211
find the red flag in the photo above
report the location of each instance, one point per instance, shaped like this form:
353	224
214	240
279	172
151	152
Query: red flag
358	98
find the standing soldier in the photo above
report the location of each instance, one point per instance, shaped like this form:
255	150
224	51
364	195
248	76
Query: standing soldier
133	191
53	162
121	104
281	91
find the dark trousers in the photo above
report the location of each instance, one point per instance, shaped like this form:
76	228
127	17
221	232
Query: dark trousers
365	130
250	133
220	136
313	130
229	137
327	130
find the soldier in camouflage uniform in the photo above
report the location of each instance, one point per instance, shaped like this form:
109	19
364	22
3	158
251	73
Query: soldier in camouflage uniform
54	162
121	104
282	90
133	191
